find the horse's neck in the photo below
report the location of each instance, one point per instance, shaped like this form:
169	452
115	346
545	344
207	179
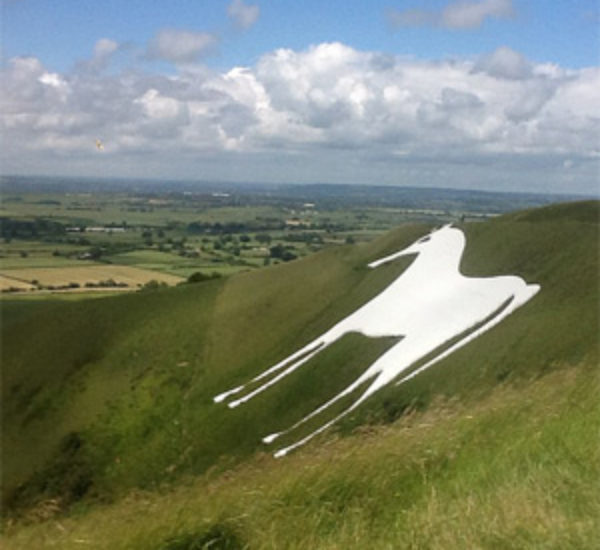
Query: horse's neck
436	262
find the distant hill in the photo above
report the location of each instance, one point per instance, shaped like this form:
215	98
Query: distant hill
106	396
326	195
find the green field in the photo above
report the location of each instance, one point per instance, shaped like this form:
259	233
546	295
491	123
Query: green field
110	435
178	232
178	235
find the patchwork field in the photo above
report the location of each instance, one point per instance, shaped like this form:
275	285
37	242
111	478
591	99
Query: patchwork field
77	277
7	283
178	230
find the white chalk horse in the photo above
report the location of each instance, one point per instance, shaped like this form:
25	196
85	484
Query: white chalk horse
428	305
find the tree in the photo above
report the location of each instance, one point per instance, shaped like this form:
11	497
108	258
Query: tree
263	238
154	285
199	277
282	253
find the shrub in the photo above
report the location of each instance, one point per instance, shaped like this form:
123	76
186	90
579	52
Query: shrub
199	277
281	252
153	285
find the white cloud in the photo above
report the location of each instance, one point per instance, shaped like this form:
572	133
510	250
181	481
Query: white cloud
505	63
105	47
329	112
104	50
413	18
471	14
158	106
180	46
22	68
243	15
462	14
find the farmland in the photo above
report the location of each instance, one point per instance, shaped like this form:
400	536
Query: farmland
86	277
51	229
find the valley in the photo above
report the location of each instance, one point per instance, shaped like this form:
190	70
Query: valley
171	231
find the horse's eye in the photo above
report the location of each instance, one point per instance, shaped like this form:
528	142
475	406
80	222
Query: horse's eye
424	239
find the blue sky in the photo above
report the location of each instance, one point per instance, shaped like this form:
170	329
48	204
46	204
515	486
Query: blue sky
61	31
469	93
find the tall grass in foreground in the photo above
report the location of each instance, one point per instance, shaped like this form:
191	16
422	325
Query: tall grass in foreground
519	469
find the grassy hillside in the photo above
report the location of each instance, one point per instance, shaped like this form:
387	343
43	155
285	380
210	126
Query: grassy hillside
131	378
104	396
516	470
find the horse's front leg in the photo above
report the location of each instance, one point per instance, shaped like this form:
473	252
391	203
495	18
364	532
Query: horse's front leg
289	364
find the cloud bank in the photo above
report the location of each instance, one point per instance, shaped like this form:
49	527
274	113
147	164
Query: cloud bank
327	113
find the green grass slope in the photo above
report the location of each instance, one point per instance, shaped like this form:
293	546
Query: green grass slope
105	396
516	470
118	391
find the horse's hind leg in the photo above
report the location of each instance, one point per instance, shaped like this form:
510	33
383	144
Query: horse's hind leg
520	296
348	390
283	451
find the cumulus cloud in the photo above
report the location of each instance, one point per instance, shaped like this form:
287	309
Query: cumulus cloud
463	14
243	15
104	50
180	46
322	112
505	63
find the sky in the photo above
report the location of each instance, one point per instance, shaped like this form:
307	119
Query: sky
474	94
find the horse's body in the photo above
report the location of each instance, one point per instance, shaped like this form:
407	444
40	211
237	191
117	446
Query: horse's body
428	305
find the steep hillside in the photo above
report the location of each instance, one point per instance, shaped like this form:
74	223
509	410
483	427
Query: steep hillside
131	378
103	396
518	469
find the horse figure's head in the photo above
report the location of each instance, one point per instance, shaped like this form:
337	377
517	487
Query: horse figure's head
439	242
